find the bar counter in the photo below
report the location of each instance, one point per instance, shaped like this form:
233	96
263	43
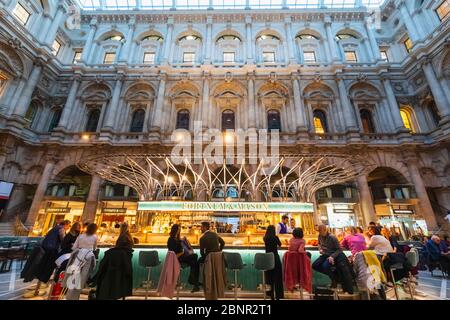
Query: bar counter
249	277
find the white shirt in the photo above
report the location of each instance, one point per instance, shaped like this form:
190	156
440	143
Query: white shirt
380	245
278	228
85	241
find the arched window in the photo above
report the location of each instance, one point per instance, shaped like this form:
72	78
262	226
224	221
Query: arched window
228	122
55	120
320	122
114	38
267	37
183	119
343	36
434	113
189	38
366	120
228	38
93	118
153	38
307	36
407	119
137	121
30	116
273	120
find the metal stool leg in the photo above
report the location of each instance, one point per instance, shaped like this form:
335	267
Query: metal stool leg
264	284
235	284
178	286
395	284
147	285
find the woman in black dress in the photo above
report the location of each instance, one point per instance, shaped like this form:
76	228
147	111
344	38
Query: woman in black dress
185	254
275	276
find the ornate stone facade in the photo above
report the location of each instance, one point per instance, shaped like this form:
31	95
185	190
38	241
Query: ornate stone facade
330	80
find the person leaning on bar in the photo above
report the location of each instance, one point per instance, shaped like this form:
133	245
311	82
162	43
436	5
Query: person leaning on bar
209	242
185	254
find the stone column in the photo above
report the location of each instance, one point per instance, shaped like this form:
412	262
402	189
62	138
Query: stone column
125	52
349	114
372	40
435	87
40	193
289	39
393	106
89	41
408	21
298	105
205	110
168	40
330	39
249	39
26	94
208	41
46	21
51	33
92	200
251	101
114	105
157	118
365	200
70	102
424	202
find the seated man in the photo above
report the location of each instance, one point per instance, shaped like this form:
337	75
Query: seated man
436	254
209	242
329	249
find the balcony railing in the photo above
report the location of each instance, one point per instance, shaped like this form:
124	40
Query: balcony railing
396	193
66	190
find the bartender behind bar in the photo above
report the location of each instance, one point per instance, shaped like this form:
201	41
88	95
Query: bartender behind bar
282	227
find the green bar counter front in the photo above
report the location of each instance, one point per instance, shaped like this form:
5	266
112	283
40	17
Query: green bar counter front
248	277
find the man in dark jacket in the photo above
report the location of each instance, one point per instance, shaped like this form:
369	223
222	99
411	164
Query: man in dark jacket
209	242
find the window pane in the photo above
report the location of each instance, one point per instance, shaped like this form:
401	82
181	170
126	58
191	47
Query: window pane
110	57
309	56
188	57
443	10
384	56
228	57
77	56
269	56
149	57
55	47
350	56
21	13
408	44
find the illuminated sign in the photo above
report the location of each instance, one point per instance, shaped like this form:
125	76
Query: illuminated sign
114	210
58	210
225	206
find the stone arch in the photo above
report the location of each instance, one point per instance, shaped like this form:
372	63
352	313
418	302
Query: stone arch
229	31
386	175
389	160
188	88
234	87
269	31
318	90
190	31
310	31
147	33
110	33
269	87
140	91
11	63
34	174
351	31
96	91
364	90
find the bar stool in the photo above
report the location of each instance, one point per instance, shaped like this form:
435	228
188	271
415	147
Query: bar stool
149	260
264	262
179	284
234	262
412	257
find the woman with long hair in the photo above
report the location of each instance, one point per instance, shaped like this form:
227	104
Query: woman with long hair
125	239
185	254
275	276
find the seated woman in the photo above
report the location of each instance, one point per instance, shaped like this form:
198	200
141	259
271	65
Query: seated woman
353	241
297	243
378	243
185	254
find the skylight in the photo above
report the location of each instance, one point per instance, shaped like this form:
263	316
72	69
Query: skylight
222	4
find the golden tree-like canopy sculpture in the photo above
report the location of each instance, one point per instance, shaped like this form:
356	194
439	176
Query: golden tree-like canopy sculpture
293	177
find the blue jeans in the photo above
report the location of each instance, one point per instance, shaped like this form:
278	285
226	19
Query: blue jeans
323	266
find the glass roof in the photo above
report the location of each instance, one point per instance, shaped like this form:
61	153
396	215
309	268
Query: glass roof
221	4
